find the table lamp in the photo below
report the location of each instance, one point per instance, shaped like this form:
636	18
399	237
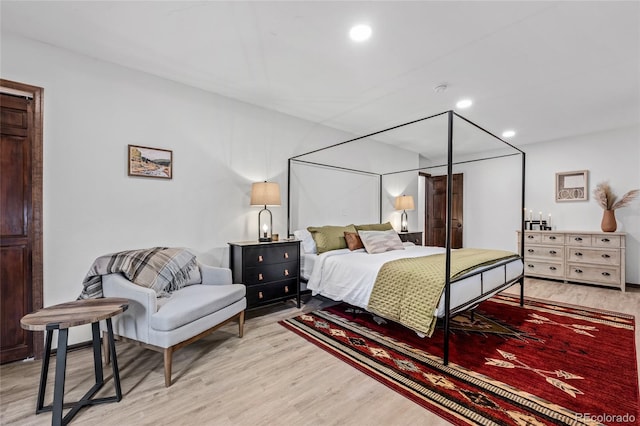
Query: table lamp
404	203
265	194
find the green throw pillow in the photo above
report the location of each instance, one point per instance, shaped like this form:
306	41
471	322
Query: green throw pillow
375	227
330	237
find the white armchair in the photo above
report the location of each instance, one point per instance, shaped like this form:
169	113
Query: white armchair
167	324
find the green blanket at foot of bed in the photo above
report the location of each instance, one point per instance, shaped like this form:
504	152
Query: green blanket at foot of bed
407	291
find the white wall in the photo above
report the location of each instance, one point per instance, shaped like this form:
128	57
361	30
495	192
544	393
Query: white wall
330	196
93	109
612	156
406	183
492	190
492	201
326	196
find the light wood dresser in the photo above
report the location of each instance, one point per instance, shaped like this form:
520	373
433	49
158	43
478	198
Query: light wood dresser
578	256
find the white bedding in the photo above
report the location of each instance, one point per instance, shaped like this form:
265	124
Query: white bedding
348	276
307	262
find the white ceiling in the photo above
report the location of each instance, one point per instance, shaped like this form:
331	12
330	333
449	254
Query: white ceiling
546	69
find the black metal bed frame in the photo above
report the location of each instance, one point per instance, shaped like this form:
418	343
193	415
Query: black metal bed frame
448	281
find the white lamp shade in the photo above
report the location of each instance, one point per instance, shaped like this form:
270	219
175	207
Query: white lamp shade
265	194
404	202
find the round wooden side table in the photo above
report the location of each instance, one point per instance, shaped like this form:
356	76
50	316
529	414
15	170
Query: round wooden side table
62	317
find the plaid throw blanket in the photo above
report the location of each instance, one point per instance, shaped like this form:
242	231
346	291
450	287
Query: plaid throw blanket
159	268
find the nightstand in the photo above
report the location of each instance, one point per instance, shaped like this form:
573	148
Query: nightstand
271	271
412	237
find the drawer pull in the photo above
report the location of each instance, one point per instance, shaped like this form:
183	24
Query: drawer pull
286	255
531	250
578	239
260	296
530	266
605	240
606	274
578	253
260	277
579	271
606	256
553	252
553	268
286	272
552	237
260	259
529	236
286	289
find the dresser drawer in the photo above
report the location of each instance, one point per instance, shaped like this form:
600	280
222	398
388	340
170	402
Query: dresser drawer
592	255
612	241
581	240
267	273
544	252
264	293
552	238
530	238
594	274
267	255
547	269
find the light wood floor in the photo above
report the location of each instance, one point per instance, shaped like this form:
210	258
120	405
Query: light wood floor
269	377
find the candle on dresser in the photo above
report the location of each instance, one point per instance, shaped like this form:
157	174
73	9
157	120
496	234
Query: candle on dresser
540	218
549	221
530	215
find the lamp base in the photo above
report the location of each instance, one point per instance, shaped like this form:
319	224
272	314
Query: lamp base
404	223
264	240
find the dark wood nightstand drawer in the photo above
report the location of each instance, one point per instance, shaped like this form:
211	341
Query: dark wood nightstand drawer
264	293
254	256
266	273
411	237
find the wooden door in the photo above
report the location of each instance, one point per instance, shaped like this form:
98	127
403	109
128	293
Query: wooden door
20	219
436	211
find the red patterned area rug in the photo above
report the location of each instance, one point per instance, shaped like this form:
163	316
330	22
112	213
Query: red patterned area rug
544	364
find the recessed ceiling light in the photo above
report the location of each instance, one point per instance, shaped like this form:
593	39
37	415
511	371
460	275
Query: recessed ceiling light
464	103
508	133
360	32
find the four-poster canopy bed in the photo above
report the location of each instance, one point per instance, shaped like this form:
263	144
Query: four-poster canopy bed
355	275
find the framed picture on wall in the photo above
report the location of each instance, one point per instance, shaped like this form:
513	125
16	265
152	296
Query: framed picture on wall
150	162
572	186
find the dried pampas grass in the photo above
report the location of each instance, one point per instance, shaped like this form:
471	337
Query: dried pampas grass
607	199
626	199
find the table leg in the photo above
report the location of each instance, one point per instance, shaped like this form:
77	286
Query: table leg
97	359
61	365
114	360
44	372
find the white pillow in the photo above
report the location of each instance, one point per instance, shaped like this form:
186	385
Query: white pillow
380	241
307	244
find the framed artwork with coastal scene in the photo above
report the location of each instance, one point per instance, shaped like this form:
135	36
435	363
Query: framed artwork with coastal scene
150	162
572	186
